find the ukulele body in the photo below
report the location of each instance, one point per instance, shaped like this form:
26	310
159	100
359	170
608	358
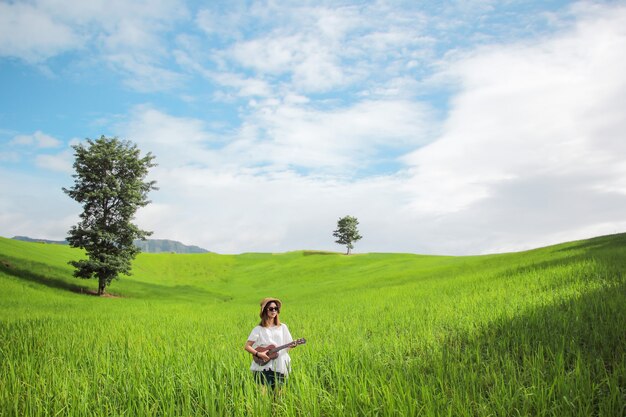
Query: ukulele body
268	352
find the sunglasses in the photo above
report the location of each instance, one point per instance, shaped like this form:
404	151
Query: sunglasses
276	309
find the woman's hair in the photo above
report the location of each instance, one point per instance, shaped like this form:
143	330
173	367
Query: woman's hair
265	320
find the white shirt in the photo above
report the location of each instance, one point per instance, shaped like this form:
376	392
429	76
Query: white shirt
273	335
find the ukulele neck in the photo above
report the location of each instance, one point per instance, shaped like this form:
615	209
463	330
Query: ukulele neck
279	348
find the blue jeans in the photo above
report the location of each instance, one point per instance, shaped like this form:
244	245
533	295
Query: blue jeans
269	377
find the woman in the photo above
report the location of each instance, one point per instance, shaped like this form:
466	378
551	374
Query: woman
270	331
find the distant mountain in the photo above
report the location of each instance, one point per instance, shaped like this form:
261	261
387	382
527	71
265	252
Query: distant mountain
164	245
30	239
148	246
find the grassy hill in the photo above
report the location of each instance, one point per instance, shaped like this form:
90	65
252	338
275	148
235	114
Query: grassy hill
533	333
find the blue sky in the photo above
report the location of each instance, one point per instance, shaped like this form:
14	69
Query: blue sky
445	127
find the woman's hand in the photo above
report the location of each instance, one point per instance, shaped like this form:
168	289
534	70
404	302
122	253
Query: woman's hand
263	356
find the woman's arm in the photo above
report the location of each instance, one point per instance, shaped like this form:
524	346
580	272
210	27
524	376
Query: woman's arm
248	347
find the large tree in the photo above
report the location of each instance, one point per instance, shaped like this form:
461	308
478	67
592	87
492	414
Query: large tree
347	232
110	184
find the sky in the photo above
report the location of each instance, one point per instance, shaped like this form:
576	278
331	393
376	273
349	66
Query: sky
453	128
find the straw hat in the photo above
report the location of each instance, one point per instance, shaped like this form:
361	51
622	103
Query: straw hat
266	301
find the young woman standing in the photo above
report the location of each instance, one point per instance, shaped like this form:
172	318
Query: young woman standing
270	331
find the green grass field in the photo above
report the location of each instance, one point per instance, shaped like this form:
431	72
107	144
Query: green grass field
537	333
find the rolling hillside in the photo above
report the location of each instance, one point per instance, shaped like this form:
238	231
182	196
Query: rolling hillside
535	333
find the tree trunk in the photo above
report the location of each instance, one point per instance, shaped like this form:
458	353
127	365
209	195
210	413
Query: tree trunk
348	251
102	283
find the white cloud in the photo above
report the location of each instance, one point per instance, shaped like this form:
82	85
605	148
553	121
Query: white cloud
532	124
37	146
175	141
245	86
241	194
279	135
38	140
230	212
339	139
226	24
30	33
61	162
9	157
144	74
310	62
129	36
325	48
270	54
35	206
531	153
306	49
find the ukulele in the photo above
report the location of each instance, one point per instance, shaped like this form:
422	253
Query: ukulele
272	351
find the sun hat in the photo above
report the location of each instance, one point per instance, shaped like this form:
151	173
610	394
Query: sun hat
266	301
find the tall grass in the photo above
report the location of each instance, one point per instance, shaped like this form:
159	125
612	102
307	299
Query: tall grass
536	333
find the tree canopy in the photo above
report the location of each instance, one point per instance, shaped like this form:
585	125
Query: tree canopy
347	232
110	184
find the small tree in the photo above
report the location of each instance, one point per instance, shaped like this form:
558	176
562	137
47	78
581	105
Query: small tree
109	183
347	232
